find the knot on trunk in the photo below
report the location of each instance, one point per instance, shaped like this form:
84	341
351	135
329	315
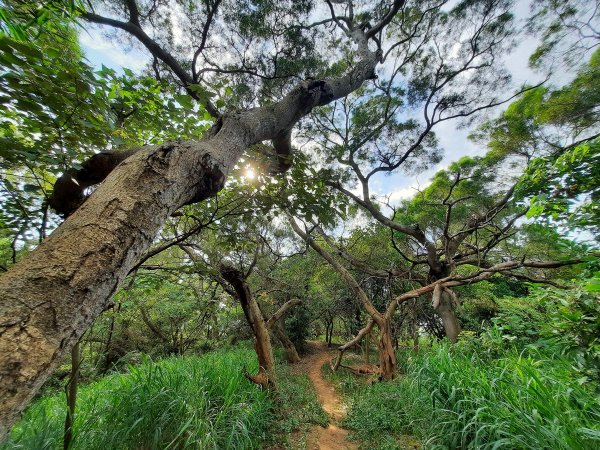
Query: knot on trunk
70	189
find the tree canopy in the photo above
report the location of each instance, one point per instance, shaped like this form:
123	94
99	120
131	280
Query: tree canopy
242	184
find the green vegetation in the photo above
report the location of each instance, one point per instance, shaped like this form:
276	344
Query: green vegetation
452	398
384	176
193	402
506	388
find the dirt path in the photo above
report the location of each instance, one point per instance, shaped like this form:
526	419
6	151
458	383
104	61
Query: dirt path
333	437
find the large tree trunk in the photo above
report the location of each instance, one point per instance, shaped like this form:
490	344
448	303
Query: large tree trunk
262	340
50	298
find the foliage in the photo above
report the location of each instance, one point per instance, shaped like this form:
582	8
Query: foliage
568	30
568	188
200	402
555	131
460	398
297	327
558	322
68	112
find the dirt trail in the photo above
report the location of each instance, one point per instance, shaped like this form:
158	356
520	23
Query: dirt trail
333	437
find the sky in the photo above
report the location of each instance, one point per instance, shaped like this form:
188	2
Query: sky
453	139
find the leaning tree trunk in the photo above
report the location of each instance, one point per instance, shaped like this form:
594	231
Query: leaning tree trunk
262	340
290	349
51	297
354	341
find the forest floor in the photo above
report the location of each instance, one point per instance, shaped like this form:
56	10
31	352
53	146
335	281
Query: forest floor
333	437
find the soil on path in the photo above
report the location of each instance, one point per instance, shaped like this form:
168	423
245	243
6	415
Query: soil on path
333	437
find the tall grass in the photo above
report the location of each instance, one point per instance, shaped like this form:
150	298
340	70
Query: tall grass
197	403
450	398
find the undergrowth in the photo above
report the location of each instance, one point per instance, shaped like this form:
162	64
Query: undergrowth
178	403
453	397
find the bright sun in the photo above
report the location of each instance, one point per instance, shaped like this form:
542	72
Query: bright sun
250	173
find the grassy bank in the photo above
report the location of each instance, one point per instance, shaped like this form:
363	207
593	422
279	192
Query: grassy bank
199	402
457	398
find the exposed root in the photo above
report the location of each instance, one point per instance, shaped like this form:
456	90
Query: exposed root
261	378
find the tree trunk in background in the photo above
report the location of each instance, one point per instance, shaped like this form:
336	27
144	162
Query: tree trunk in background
262	340
445	310
109	357
444	307
328	332
71	391
415	337
290	349
387	356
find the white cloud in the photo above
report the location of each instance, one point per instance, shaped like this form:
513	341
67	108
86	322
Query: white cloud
100	50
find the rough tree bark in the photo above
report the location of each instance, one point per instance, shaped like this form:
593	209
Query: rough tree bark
291	353
443	304
387	355
275	326
444	307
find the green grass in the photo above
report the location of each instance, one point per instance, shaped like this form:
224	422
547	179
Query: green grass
198	402
297	401
344	381
201	402
453	398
